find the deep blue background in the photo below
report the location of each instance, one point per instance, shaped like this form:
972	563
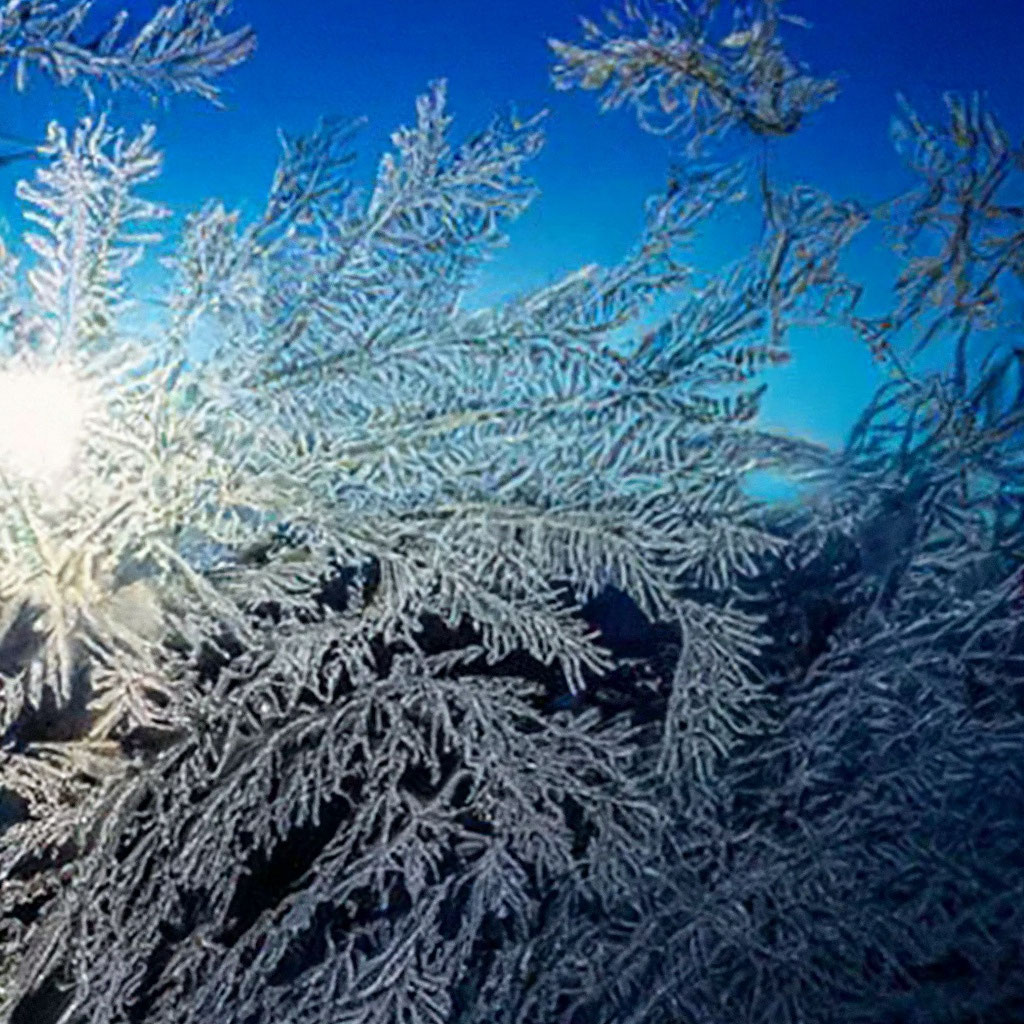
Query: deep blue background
351	57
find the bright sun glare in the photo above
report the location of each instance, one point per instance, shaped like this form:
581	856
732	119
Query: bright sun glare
41	414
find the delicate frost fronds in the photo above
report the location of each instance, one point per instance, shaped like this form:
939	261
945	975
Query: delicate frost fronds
442	804
85	202
961	232
485	471
423	430
493	468
181	48
685	69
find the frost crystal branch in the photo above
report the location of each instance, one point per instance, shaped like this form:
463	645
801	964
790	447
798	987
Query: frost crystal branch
680	66
181	48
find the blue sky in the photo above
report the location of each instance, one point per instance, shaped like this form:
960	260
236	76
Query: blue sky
350	57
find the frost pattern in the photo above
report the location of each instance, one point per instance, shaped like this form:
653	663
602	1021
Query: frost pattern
311	709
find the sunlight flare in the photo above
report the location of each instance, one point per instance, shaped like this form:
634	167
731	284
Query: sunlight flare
41	415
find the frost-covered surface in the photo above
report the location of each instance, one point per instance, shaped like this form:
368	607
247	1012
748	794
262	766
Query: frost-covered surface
306	718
